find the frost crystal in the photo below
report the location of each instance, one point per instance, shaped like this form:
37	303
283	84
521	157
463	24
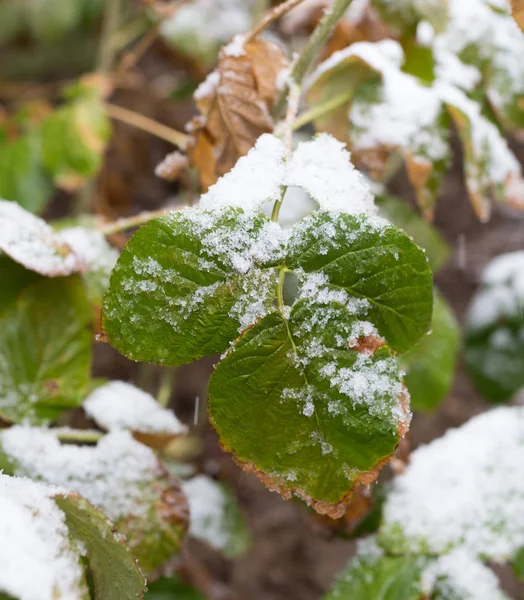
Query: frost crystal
37	558
31	242
120	405
321	167
115	475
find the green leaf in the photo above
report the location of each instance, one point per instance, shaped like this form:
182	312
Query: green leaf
423	233
188	282
170	589
22	178
383	274
74	138
295	385
114	571
518	564
379	577
15	278
430	365
45	351
122	477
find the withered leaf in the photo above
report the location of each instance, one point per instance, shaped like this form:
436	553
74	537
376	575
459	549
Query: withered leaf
235	107
517	9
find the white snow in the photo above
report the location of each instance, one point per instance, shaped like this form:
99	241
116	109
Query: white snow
321	167
502	291
91	248
120	405
464	490
30	241
115	475
38	561
207	505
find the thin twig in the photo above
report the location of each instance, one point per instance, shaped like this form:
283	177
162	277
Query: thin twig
136	221
111	22
318	38
272	16
177	138
321	110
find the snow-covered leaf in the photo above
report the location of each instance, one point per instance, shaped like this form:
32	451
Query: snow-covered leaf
215	516
462	491
328	415
494	344
120	476
371	267
118	405
188	282
46	532
430	365
235	102
30	241
15	278
45	351
423	233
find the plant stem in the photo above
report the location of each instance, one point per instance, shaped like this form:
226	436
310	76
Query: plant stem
177	138
322	110
85	436
167	379
319	36
130	222
280	289
278	204
111	22
271	16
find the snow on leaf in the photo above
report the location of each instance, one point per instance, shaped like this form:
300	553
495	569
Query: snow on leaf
464	490
119	405
494	345
120	476
28	240
188	282
38	558
215	517
321	167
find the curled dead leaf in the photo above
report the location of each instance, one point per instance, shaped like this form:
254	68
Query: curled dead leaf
235	102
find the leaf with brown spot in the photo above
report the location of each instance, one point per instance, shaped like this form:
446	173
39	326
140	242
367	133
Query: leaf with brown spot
235	108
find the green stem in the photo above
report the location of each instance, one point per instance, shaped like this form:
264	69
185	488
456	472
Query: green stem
280	289
111	22
318	38
321	110
136	221
84	436
278	204
167	380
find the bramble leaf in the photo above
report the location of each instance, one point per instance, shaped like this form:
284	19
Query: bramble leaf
187	282
115	574
169	588
430	365
15	278
45	351
373	265
327	414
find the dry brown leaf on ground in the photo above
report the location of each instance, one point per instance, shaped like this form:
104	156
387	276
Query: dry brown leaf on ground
235	102
517	9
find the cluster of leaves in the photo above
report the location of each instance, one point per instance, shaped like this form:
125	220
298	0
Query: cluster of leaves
49	299
41	146
396	99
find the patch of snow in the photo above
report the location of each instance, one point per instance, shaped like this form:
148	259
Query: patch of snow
120	405
38	560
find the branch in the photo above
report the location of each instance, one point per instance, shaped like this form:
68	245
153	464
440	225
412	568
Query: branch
270	17
177	138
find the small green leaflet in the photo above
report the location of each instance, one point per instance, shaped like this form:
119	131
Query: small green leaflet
45	351
188	283
430	365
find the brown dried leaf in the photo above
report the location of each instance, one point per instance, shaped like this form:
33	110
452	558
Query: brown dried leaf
419	171
517	9
236	109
